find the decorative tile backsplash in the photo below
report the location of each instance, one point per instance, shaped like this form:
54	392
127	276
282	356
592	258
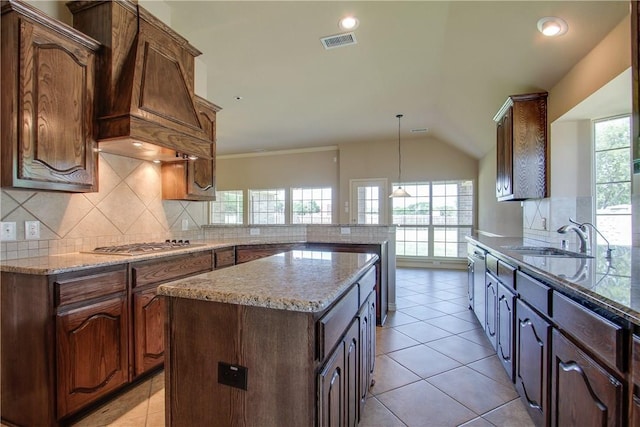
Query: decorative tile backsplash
127	208
543	217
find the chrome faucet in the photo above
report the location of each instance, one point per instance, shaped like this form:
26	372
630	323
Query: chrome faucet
581	231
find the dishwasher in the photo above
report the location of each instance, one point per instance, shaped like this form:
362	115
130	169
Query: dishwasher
477	269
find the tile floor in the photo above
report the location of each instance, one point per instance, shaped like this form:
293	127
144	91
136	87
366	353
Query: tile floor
434	367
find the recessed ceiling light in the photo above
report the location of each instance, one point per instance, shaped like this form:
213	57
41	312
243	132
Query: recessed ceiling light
156	161
238	98
420	130
552	26
137	144
348	23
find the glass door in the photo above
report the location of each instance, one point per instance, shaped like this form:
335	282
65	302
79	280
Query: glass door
368	201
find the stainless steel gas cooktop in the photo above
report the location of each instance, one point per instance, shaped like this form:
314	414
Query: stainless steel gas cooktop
143	248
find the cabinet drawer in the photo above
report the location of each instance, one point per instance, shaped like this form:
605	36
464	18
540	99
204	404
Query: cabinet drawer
94	285
224	257
506	274
165	269
492	264
534	292
334	323
367	283
603	337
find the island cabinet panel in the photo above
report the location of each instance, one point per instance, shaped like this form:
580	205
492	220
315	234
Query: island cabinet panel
583	393
276	346
48	74
367	316
533	341
331	395
332	325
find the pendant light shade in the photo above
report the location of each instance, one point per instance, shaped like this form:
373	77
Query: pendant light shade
399	192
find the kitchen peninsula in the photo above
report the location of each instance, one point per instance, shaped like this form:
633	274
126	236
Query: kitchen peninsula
284	340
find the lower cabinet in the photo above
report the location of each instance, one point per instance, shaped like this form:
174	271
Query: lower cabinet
332	395
367	317
533	339
91	352
505	341
634	401
491	309
148	312
583	392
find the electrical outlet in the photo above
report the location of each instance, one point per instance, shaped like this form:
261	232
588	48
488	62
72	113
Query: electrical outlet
232	375
185	224
7	231
254	231
345	230
31	230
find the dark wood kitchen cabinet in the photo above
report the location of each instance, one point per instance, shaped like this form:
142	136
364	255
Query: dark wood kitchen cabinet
149	308
583	392
491	311
224	257
194	179
505	337
246	253
634	399
92	349
533	346
47	103
64	342
521	146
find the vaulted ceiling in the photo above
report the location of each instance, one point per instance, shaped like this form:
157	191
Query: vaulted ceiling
446	65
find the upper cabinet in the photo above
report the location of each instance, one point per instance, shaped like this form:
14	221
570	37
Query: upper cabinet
522	164
194	179
146	105
47	103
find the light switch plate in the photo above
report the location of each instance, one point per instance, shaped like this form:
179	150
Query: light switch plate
345	230
7	231
185	224
254	231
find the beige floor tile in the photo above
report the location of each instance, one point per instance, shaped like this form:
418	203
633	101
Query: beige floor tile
397	318
389	374
477	422
390	340
423	332
375	414
512	414
491	367
422	312
452	324
474	390
477	336
422	405
423	361
460	349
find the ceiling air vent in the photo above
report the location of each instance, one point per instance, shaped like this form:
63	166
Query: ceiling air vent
338	40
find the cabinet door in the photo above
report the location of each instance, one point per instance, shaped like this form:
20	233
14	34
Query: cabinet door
367	317
331	394
504	166
505	335
470	273
48	131
148	341
491	309
352	375
583	393
533	336
92	352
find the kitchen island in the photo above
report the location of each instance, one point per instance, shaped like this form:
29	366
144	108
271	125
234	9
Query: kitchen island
284	340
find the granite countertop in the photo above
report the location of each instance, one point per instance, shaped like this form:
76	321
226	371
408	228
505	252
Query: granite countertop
612	285
306	281
78	261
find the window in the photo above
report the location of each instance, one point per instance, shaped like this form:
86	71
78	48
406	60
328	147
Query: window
311	205
227	209
612	141
267	206
435	220
368	205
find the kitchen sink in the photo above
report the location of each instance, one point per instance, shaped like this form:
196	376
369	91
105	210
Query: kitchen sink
545	251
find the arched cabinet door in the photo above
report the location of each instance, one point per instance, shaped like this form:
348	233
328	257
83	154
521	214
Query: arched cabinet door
47	119
92	352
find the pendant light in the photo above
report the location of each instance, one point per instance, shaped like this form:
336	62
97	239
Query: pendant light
399	192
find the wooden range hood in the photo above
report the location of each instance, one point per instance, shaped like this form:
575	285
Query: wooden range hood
145	84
